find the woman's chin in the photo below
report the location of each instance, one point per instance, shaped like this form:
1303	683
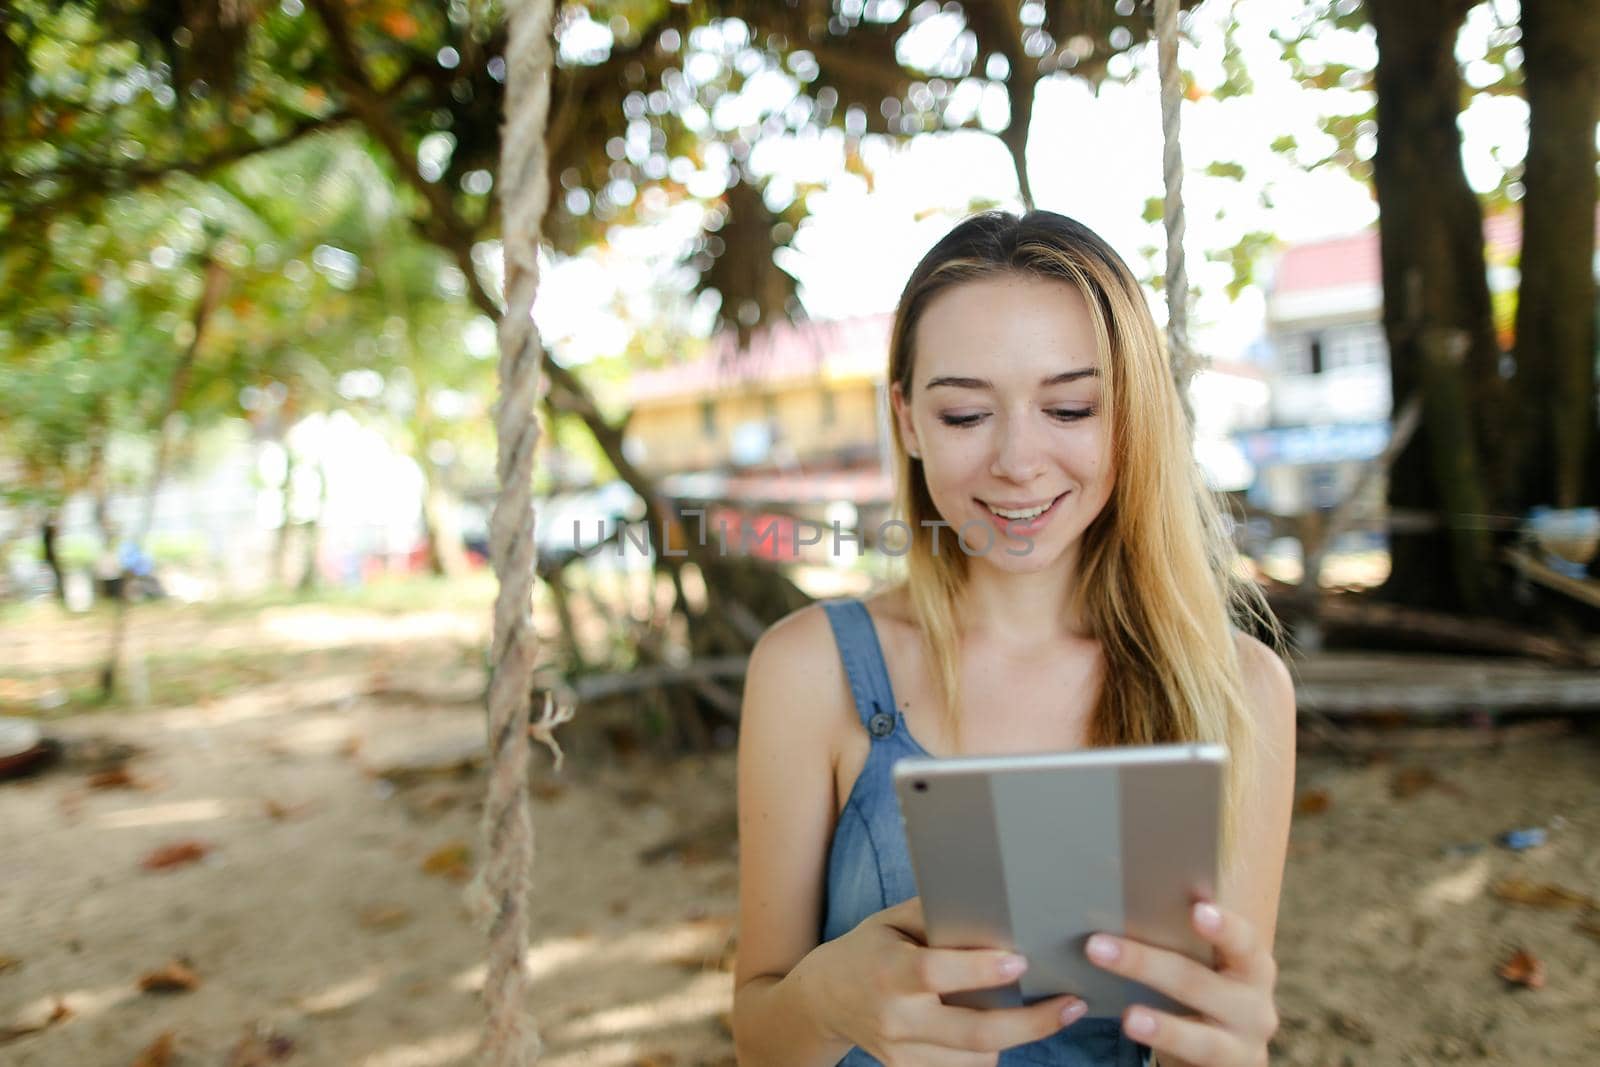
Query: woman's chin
1016	556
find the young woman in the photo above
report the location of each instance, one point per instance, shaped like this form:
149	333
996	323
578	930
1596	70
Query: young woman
1067	585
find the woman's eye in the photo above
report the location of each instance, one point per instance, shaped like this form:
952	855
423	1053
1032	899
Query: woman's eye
960	420
1070	414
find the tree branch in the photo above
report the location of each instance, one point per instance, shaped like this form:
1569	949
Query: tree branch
95	178
448	230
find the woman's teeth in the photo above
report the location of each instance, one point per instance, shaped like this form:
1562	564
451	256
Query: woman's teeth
1026	513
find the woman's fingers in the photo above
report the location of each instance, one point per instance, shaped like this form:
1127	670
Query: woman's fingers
996	1029
1189	983
906	918
956	970
1191	1040
1235	940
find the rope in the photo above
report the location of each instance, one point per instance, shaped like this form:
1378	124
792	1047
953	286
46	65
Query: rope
1178	350
500	893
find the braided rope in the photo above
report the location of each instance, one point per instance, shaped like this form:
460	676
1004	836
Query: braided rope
1178	350
501	892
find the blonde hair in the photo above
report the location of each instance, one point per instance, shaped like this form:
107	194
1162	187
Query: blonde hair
1156	581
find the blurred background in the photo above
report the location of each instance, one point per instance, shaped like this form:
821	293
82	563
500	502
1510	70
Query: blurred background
250	270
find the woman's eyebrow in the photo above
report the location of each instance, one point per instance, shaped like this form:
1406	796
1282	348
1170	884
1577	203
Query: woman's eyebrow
982	383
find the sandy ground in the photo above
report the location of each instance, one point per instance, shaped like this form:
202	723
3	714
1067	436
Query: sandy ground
318	932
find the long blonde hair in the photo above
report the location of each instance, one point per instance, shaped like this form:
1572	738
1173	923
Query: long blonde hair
1156	581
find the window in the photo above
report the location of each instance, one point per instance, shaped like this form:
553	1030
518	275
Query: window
1316	355
1353	346
708	420
1294	354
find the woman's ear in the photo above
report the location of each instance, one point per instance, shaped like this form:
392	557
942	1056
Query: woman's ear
902	418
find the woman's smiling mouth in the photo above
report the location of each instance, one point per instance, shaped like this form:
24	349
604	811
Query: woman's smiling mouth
1023	519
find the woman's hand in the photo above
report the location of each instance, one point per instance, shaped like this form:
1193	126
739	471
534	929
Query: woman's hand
1237	1016
878	987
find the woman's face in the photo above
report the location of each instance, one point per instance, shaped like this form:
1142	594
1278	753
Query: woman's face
1004	412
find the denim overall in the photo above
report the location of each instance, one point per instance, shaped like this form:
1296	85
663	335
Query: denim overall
868	866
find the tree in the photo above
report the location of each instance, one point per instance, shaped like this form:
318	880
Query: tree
1554	458
1436	302
1490	444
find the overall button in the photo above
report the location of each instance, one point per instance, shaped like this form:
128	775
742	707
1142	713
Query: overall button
881	724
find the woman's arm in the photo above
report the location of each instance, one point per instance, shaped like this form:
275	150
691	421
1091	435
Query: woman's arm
1233	999
794	689
1256	880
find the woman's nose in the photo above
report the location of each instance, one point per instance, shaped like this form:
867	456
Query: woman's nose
1020	457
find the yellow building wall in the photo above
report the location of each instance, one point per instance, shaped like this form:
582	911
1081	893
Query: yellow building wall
673	435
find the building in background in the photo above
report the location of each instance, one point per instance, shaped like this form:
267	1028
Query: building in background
1329	375
1329	368
795	422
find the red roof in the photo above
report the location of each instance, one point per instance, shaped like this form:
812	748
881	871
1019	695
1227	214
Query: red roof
781	353
1354	260
1329	264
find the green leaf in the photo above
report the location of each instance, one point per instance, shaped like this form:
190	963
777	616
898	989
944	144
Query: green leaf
1226	169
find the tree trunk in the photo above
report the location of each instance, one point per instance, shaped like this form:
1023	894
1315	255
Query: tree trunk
280	544
313	533
1555	347
555	580
1020	88
447	554
1436	306
48	531
214	286
98	489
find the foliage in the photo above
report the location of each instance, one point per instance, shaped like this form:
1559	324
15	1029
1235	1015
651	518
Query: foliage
655	104
1321	28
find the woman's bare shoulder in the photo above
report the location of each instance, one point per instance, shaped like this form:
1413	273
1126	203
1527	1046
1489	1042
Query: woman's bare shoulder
1267	682
795	672
802	640
807	635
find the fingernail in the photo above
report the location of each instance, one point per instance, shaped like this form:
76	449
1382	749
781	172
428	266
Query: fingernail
1012	966
1208	917
1102	949
1072	1011
1141	1024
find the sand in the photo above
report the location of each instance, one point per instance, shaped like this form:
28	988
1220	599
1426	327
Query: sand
318	932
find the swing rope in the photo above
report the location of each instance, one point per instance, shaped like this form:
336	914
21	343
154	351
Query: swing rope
500	893
1177	278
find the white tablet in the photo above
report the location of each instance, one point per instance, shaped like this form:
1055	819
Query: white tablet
1034	853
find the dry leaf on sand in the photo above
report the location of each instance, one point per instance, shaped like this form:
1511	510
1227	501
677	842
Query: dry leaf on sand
175	855
384	917
1312	802
118	777
175	977
453	861
1522	968
277	809
1409	781
159	1052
